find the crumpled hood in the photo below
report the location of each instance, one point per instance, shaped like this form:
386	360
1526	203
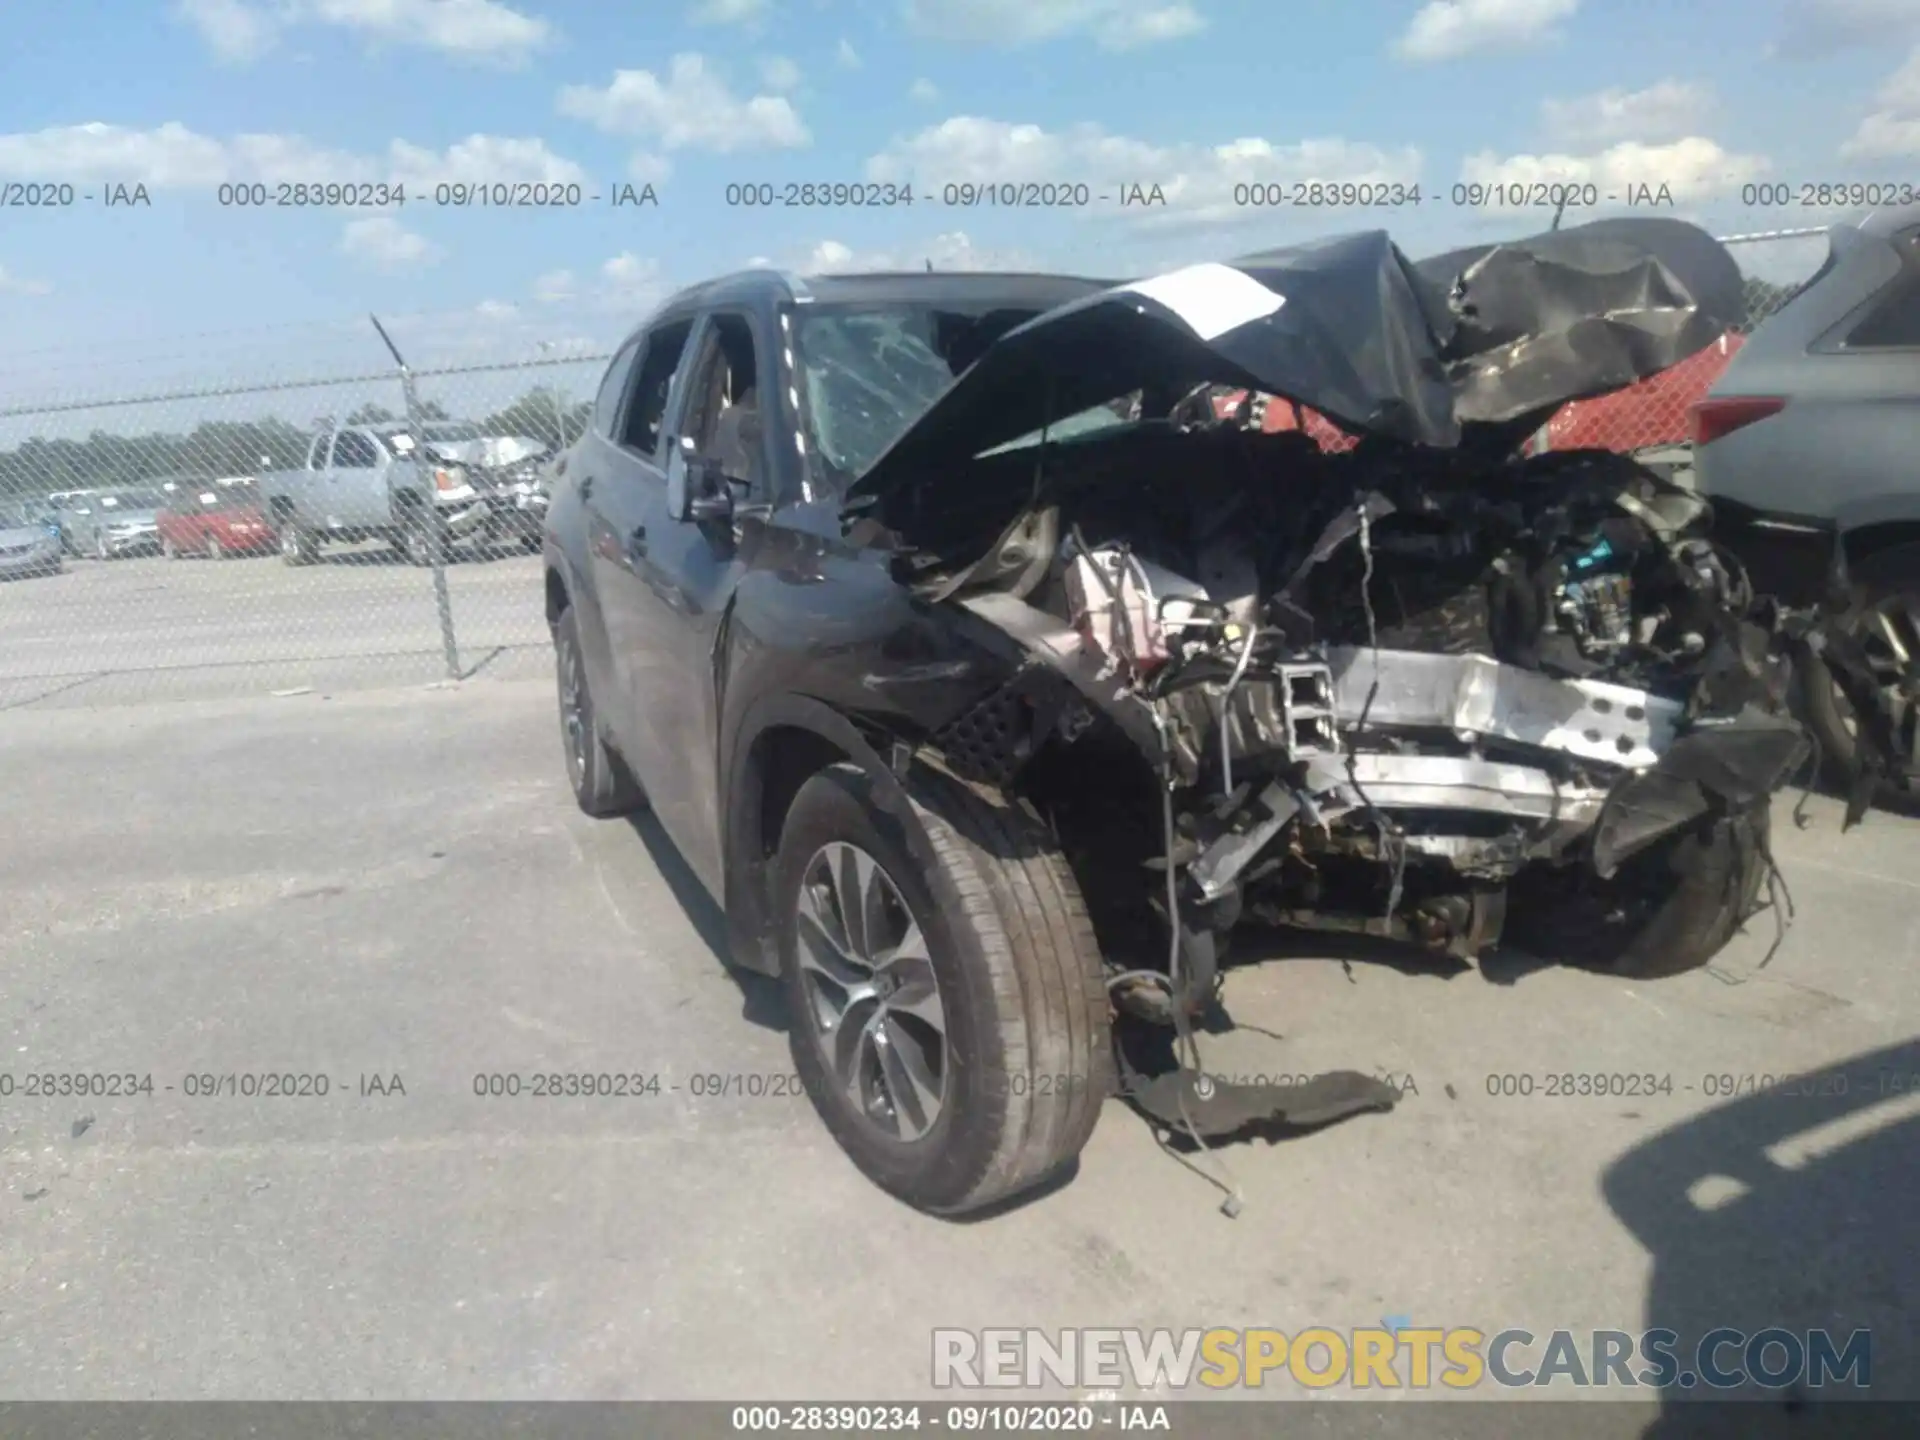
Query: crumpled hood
490	452
1489	336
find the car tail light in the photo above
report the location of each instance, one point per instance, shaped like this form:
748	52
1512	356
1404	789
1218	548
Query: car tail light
448	480
1713	418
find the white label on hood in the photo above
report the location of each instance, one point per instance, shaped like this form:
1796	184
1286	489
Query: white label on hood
402	443
1212	298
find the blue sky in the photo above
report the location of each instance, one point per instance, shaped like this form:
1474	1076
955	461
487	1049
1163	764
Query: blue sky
1195	96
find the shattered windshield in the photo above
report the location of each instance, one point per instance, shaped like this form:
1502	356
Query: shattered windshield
868	373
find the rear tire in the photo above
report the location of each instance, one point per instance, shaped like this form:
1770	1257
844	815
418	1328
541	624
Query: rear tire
423	539
603	786
1016	975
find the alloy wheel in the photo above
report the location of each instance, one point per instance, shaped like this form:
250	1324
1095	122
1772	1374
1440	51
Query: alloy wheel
573	712
1889	634
872	994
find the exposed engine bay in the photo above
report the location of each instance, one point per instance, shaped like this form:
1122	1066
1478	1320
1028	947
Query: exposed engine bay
1373	688
1419	686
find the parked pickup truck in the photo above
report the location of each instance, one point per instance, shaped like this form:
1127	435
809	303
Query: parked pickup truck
418	491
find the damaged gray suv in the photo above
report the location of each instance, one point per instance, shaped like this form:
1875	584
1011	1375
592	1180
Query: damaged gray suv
991	680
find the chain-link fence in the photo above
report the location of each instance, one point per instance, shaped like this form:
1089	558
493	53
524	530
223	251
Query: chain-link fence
366	529
376	528
1652	419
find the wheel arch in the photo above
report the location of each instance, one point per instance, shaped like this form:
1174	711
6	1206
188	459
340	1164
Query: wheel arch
784	742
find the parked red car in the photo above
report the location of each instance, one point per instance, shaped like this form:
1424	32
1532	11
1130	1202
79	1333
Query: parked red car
215	518
1274	414
1652	413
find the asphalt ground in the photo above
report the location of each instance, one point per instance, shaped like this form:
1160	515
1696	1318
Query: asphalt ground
377	874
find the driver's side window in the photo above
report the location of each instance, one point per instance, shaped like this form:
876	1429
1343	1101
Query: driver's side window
723	400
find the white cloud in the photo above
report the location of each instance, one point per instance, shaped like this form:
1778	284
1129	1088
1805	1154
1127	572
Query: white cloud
953	250
1883	136
1114	24
171	156
1892	129
1197	180
232	29
1449	29
386	244
848	57
497	310
691	109
632	282
727	12
469	29
777	72
923	90
1817	27
11	284
646	168
1692	169
554	286
1667	110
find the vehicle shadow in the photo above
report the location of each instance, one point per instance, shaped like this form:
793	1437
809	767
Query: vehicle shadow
1792	1206
761	1000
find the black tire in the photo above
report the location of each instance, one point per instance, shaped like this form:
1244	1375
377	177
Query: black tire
423	537
298	545
602	784
1668	910
1877	578
1027	1051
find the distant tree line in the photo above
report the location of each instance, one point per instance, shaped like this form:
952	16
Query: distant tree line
213	448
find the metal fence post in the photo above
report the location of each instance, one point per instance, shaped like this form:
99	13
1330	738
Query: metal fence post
436	547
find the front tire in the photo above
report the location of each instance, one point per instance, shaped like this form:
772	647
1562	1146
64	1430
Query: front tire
297	544
1886	620
949	1015
603	786
1668	910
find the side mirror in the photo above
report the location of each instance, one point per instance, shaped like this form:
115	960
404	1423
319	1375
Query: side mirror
696	490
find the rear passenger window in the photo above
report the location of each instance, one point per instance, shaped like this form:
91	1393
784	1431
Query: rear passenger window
1895	318
613	389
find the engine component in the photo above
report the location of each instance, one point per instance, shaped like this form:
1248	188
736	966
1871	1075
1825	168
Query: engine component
1594	602
1128	608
